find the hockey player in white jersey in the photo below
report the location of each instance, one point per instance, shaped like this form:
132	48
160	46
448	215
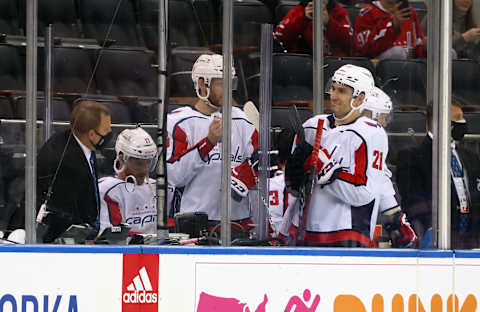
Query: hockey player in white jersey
129	197
195	146
342	202
278	195
378	106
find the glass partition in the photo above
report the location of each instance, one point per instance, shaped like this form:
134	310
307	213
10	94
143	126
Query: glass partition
110	53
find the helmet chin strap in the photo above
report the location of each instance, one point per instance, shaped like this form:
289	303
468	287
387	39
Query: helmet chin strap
130	180
205	98
353	108
116	164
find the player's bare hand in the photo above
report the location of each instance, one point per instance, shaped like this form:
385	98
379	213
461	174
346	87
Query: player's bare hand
215	131
472	35
399	15
309	10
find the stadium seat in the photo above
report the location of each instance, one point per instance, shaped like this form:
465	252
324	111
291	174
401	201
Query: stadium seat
126	73
283	7
62	14
408	122
183	25
60	109
6	132
120	112
402	130
207	14
73	70
97	16
331	64
280	116
473	122
12	68
405	81
6	110
9	19
180	70
292	77
466	81
248	15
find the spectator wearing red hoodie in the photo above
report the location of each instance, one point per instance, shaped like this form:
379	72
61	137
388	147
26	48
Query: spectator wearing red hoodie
295	32
384	30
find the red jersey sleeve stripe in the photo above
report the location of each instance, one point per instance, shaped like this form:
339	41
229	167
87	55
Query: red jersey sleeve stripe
180	146
114	211
255	140
360	175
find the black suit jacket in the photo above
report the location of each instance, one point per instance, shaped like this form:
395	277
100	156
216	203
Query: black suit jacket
414	180
73	197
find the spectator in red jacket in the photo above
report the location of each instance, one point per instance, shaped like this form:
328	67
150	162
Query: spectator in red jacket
384	30
295	31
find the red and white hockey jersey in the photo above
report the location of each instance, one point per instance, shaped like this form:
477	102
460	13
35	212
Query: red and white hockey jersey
374	32
196	165
277	200
122	202
295	32
346	209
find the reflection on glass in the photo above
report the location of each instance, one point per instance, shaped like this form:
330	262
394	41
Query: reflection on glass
111	63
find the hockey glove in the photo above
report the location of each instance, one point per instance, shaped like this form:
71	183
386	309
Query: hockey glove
297	167
406	237
244	177
328	167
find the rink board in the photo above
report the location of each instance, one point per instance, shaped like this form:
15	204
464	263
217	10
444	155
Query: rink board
80	278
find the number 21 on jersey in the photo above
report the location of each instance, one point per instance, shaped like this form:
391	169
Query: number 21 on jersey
377	163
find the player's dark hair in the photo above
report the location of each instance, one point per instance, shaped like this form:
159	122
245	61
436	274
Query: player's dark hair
87	116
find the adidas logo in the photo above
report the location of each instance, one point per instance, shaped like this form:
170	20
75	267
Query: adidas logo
140	290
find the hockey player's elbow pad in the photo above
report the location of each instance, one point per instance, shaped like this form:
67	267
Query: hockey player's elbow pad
244	178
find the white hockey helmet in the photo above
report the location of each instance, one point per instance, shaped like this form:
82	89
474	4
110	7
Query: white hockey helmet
358	78
135	143
378	102
208	67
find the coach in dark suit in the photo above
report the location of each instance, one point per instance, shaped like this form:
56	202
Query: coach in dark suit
66	178
414	179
